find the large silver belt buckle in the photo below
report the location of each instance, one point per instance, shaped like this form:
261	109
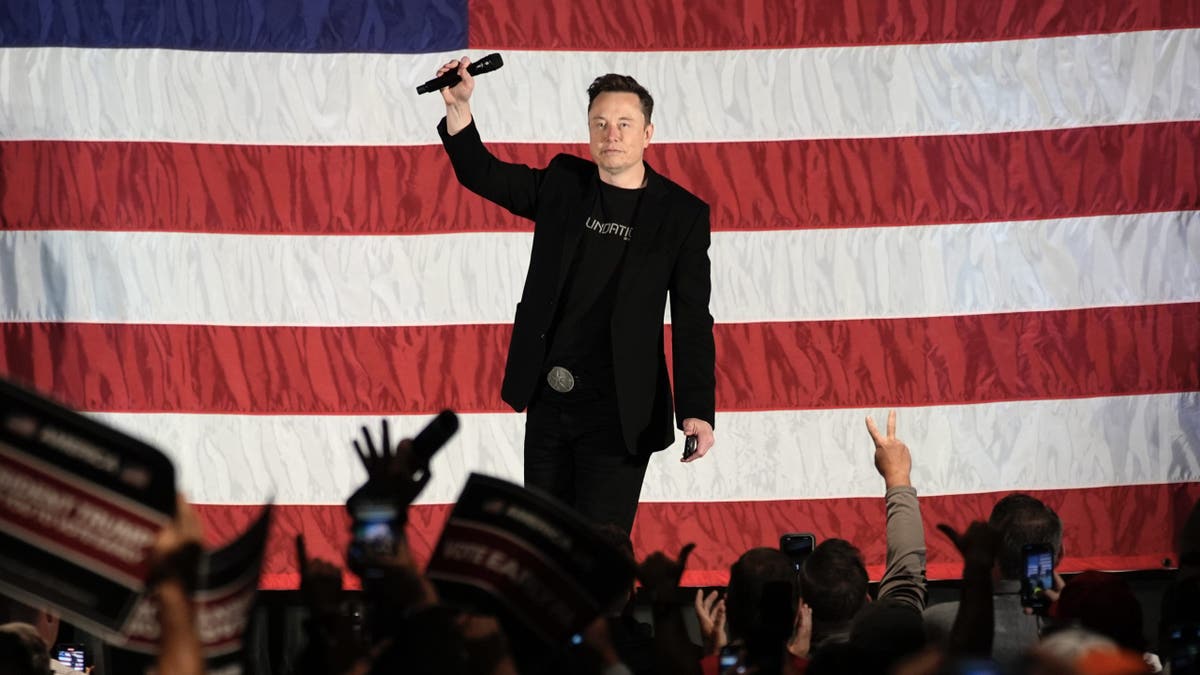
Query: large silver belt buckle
560	379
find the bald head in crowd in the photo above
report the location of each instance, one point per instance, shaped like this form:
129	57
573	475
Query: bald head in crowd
44	621
22	650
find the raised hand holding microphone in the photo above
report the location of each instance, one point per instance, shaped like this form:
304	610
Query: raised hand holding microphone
451	77
458	97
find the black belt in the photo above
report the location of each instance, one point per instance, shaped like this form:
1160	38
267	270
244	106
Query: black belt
564	380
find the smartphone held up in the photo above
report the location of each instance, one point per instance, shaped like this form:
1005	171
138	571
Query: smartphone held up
73	656
1038	577
797	546
396	474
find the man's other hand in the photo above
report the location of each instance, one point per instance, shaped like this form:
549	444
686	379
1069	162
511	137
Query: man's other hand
703	432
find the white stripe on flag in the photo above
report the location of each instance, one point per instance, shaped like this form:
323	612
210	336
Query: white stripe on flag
539	96
253	280
1071	443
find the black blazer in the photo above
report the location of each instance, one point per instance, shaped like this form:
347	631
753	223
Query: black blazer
668	251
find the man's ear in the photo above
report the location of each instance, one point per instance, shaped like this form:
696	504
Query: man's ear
649	134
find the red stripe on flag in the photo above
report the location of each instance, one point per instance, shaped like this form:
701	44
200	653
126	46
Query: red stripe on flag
753	24
189	187
1098	532
762	366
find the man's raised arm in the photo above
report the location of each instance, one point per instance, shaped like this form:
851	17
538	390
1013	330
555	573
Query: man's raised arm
512	186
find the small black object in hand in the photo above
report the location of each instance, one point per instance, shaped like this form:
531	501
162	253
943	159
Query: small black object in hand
689	446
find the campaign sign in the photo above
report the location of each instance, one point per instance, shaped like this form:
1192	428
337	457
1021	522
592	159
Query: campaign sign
224	598
526	558
80	506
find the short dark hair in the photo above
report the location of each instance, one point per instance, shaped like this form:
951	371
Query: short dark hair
615	536
760	570
621	83
833	581
885	633
1020	519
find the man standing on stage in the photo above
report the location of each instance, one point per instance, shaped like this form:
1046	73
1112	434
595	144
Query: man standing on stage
611	239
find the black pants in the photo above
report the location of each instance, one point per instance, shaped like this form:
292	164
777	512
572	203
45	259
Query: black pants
575	452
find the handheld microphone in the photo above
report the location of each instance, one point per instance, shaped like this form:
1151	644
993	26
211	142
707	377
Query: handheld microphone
434	436
485	65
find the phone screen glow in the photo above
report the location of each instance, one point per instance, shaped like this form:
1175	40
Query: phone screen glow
1039	568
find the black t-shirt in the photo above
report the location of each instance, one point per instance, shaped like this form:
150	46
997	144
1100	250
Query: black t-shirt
581	338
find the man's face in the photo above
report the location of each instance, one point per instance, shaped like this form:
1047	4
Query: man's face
619	132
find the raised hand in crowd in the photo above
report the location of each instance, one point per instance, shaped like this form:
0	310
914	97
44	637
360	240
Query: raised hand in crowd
334	641
379	552
800	643
392	470
660	575
710	614
320	582
974	625
174	567
904	577
893	460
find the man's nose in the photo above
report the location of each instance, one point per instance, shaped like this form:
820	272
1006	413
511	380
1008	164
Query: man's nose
612	132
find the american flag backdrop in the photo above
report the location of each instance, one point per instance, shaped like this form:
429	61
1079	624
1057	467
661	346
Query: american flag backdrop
228	227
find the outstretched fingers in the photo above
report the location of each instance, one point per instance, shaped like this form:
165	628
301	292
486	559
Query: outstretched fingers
873	429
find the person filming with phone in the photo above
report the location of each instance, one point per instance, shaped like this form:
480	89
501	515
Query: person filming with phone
613	239
1030	535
